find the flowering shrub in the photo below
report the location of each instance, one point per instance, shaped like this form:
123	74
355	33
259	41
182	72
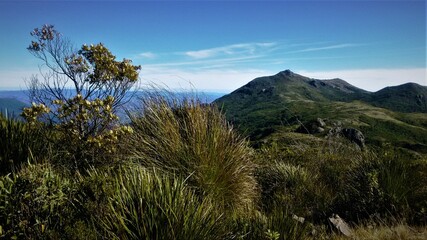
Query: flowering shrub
83	118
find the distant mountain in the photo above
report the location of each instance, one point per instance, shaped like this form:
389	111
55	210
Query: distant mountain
11	106
409	97
285	101
14	101
20	95
287	84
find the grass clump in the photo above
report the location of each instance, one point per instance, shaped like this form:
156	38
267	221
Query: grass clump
149	205
19	144
194	141
281	182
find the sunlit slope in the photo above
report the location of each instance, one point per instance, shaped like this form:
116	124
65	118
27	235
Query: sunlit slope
286	100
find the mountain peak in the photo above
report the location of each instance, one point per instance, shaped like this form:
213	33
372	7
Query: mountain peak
287	72
287	85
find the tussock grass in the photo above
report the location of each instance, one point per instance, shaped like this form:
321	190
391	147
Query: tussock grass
194	141
148	205
19	144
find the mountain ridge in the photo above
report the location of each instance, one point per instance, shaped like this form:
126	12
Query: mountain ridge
283	101
337	89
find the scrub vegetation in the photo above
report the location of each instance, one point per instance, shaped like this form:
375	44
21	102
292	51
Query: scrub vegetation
179	170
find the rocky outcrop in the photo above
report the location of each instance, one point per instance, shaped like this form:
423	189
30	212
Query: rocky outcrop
312	127
335	129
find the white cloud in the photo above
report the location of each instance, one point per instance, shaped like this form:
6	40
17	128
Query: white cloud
230	50
373	79
203	80
148	55
337	46
229	80
226	79
205	63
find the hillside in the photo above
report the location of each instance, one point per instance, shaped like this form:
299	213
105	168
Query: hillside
285	101
409	97
11	106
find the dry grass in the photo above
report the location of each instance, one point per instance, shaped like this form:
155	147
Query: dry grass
382	232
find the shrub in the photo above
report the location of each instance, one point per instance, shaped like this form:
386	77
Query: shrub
35	203
388	186
79	95
148	205
194	141
305	179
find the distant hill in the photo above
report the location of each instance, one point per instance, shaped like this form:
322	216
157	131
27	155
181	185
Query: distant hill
11	106
14	101
20	95
287	100
409	97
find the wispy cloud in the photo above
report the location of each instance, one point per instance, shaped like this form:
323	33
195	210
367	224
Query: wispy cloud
148	55
205	62
230	50
236	56
336	46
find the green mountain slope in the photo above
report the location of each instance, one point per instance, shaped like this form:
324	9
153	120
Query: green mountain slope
409	97
285	101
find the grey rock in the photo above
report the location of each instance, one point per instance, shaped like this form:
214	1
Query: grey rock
312	127
341	225
354	135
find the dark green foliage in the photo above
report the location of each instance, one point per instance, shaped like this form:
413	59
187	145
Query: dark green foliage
402	135
20	144
385	184
303	179
35	203
389	186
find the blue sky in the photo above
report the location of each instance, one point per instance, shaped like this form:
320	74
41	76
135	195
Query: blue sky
221	45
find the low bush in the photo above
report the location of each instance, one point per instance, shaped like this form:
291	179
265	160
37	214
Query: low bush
35	203
388	186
